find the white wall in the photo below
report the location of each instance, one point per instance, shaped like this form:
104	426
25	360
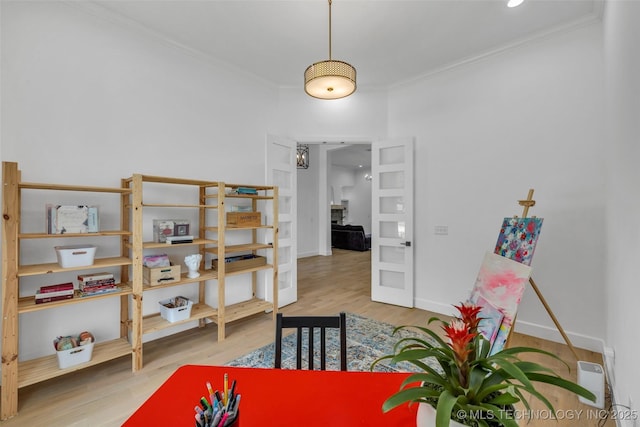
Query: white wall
622	38
361	117
359	196
87	100
486	133
349	184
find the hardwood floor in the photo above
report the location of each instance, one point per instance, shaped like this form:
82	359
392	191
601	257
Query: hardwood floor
105	395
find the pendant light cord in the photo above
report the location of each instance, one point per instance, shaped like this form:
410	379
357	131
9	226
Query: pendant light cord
329	29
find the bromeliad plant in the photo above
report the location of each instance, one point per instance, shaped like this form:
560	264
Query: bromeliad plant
472	386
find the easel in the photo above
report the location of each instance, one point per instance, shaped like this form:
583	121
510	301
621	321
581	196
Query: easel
527	203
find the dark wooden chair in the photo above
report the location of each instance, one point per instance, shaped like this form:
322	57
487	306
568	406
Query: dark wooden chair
311	323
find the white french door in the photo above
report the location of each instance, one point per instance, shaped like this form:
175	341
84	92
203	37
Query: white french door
392	222
281	170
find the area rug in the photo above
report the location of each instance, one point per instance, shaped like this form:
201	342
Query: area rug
367	340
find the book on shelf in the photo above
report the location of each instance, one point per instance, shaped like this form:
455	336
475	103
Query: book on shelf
240	208
40	295
94	289
52	299
99	292
56	288
175	240
98	284
95	276
95	283
246	190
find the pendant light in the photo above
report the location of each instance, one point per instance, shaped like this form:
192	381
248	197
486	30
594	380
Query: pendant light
330	79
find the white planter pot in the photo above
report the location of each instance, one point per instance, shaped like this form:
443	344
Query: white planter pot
427	417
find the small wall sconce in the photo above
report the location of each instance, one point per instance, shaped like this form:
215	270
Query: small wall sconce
368	177
302	156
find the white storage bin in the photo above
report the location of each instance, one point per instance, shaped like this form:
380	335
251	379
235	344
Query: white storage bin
75	256
175	313
74	356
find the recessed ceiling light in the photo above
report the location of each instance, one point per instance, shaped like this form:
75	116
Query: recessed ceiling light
514	3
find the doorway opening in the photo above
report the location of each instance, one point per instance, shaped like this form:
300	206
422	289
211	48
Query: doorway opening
336	188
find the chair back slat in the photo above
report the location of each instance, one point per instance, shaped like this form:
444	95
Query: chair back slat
310	323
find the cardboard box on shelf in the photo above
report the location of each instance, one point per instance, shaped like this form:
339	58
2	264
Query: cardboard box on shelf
244	219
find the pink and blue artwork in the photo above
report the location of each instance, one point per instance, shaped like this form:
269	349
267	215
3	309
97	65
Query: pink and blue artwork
491	318
518	238
501	281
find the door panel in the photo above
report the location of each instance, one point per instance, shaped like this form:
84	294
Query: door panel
281	171
392	222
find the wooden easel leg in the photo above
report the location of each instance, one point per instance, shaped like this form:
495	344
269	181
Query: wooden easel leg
553	317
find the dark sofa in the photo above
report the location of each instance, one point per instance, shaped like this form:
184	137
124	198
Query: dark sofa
350	237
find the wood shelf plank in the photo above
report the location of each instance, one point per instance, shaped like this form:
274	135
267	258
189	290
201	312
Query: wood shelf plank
28	304
44	368
184	280
155	245
241	248
66	235
172	205
36	269
62	187
227	228
249	270
248	196
179	181
245	309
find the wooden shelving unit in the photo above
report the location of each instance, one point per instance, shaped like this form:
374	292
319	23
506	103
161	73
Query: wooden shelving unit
209	239
16	373
210	242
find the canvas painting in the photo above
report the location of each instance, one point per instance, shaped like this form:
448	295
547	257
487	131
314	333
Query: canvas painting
491	318
518	238
501	281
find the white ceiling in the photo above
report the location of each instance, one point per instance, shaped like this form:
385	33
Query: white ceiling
388	41
354	156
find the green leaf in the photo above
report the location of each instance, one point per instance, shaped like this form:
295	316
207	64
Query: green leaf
519	350
513	371
504	399
533	367
476	379
443	411
426	378
562	383
501	415
407	395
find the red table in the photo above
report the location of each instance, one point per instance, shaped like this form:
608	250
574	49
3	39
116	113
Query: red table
280	398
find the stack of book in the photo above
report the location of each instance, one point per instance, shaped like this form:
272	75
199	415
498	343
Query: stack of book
246	190
96	284
175	240
54	293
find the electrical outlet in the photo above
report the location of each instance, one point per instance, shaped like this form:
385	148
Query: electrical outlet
441	230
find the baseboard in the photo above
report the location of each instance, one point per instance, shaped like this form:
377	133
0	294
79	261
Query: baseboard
552	334
436	307
307	254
